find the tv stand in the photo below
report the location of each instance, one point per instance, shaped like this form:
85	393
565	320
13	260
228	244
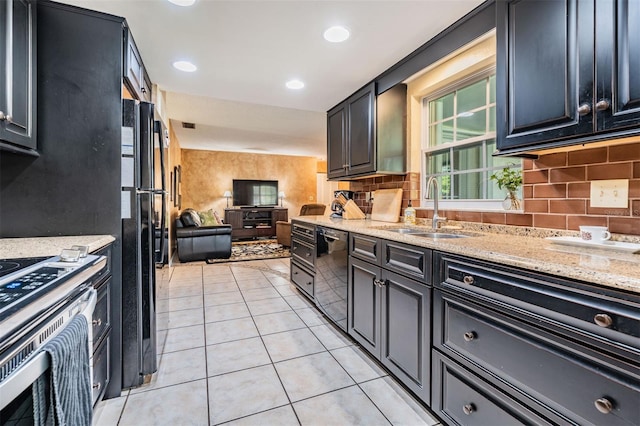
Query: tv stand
254	222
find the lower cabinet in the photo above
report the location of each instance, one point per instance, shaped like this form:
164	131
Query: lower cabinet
303	257
101	330
522	343
390	318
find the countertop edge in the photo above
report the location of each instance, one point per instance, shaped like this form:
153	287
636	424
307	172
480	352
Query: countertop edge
15	248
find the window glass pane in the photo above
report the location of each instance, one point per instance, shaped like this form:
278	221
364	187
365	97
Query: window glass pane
441	108
492	89
471	125
468	157
468	186
472	96
492	119
444	184
438	162
441	133
498	162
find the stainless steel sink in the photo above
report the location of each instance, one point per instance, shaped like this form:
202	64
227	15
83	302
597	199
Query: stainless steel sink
405	230
436	235
439	235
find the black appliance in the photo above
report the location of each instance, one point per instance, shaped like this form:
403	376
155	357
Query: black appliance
255	193
141	191
330	290
337	206
38	299
160	205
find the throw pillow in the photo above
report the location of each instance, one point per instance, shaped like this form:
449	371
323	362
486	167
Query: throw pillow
189	217
208	218
218	218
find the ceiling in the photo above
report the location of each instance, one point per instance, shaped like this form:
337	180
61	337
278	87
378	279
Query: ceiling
246	50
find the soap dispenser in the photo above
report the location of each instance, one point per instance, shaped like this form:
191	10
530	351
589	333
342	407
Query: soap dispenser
410	215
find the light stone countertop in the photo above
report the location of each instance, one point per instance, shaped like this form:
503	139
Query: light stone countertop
15	248
514	246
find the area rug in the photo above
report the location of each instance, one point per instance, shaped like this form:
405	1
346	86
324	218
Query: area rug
255	250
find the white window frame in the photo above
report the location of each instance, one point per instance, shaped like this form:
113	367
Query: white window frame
463	204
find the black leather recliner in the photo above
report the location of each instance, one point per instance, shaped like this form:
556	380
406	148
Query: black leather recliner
197	242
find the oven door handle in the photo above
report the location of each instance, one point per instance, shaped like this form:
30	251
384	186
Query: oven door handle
26	375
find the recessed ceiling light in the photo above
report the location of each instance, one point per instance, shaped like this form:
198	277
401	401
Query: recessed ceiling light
183	2
295	84
336	34
184	66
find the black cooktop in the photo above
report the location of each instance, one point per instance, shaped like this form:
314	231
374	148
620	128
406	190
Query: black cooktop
8	266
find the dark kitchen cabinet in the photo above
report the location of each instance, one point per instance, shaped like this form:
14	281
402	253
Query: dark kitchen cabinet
135	74
18	49
500	322
559	81
367	134
389	315
351	135
303	256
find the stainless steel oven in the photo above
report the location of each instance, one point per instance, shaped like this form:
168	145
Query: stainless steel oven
37	301
331	274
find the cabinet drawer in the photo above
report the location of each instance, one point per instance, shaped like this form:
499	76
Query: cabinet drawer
461	398
101	319
366	248
101	366
303	252
548	370
411	261
302	279
608	318
304	232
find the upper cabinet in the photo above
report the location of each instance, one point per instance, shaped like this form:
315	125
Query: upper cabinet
366	134
18	76
559	82
135	75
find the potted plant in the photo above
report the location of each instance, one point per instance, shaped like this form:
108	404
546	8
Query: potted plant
509	179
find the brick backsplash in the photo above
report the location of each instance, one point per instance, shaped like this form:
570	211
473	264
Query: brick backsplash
556	191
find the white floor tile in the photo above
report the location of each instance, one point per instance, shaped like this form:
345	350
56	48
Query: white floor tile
177	367
226	312
312	375
179	339
282	416
396	404
243	393
237	355
330	337
177	319
348	406
292	344
228	331
184	404
278	322
268	306
359	366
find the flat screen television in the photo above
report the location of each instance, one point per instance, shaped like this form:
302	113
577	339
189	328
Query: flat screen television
255	193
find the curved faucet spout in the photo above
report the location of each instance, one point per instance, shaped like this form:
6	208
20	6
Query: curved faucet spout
433	182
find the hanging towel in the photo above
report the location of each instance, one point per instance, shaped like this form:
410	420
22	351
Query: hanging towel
68	381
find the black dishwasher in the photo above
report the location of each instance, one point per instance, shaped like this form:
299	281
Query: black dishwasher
331	274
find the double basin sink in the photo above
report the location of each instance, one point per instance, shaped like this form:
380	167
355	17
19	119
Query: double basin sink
435	234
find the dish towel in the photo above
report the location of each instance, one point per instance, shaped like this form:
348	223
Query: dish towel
68	381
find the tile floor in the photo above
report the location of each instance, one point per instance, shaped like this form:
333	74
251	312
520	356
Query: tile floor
239	345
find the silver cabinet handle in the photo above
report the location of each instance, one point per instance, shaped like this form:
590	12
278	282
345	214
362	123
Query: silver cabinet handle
604	405
97	385
469	336
602	105
584	109
468	409
468	279
97	323
5	117
603	320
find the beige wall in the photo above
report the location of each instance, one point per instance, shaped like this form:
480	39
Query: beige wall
206	175
174	160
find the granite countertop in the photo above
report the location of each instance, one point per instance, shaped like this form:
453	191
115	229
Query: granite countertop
15	248
521	247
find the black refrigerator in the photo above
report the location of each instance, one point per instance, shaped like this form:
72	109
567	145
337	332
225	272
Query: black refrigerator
142	188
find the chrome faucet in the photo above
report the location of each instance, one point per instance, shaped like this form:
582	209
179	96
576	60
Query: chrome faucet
436	194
